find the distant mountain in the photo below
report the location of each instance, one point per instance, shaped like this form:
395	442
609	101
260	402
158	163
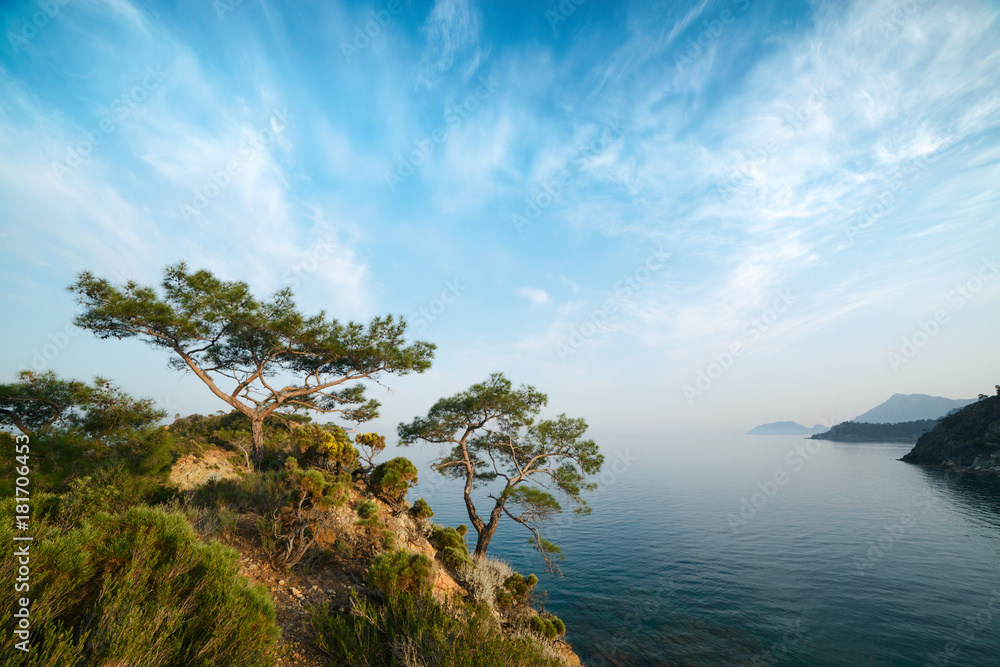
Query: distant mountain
904	432
784	428
966	440
912	407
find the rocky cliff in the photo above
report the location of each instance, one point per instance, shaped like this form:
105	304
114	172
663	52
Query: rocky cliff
966	440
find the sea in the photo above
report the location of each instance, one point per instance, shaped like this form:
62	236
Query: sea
724	549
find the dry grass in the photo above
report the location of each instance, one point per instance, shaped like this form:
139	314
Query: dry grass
484	577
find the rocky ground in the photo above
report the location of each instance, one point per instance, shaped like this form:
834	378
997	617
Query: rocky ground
967	440
346	547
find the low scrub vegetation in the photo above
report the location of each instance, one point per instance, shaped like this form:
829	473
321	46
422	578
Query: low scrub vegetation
133	588
417	630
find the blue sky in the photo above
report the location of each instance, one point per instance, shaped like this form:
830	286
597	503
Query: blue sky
666	216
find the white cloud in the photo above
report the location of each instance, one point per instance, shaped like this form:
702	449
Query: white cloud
537	297
453	32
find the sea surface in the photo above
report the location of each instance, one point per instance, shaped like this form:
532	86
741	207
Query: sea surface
765	550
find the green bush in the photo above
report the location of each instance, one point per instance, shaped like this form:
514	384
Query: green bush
394	478
421	510
368	511
400	571
58	458
136	588
417	630
455	558
516	592
452	549
547	625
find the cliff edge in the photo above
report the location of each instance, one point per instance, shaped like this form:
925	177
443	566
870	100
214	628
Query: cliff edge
965	440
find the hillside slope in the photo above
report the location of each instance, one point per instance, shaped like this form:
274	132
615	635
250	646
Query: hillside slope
905	432
966	440
912	407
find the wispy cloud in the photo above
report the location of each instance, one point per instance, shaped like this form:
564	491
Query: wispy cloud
453	34
536	296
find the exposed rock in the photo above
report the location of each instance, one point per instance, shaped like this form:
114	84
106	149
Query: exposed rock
968	440
194	470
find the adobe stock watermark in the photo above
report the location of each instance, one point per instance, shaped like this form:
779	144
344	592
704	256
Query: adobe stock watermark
642	601
436	308
363	36
928	328
620	464
793	636
796	458
248	151
560	12
901	13
120	110
965	632
892	533
57	341
707	376
752	161
862	220
22	541
698	46
549	191
31	24
223	7
454	116
597	319
321	251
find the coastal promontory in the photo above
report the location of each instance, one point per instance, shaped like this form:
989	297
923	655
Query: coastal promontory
965	440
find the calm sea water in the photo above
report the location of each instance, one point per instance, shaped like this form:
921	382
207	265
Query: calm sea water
845	555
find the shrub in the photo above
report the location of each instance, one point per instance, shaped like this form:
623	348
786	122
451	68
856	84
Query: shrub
394	478
400	571
421	510
388	540
454	558
336	447
417	630
451	548
371	445
136	588
485	577
547	625
368	511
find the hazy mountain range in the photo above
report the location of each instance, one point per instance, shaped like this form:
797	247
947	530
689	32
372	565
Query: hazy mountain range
899	408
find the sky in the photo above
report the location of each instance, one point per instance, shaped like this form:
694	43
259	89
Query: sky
666	216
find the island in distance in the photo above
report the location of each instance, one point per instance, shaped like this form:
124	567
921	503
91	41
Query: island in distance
785	428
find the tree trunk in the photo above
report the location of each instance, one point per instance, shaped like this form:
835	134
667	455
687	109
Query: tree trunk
257	434
487	532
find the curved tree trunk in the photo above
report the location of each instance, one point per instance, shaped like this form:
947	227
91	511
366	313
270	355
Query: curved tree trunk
487	532
257	434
